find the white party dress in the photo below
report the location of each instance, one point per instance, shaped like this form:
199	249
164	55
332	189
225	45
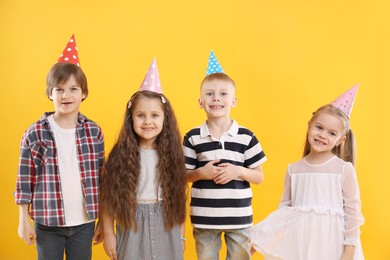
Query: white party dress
319	213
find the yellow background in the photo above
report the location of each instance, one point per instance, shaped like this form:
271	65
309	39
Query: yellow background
287	58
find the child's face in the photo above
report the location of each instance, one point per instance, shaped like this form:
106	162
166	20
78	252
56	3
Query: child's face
67	97
148	121
217	97
325	132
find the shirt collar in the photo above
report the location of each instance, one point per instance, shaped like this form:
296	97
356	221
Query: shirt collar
204	130
81	118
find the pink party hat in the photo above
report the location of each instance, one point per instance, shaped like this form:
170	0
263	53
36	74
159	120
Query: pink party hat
346	100
152	79
70	54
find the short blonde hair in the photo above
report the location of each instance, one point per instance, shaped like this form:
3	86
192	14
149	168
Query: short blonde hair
217	76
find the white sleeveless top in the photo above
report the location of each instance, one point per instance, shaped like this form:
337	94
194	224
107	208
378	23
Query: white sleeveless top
148	189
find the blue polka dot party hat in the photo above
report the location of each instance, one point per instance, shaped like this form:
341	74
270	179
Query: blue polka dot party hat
213	65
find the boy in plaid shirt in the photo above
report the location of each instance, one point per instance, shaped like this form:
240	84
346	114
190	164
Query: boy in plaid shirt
61	156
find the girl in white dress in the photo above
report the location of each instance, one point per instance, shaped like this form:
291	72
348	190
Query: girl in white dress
319	215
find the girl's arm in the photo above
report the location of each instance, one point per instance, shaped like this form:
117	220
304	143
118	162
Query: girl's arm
348	253
352	206
25	229
286	197
109	242
183	235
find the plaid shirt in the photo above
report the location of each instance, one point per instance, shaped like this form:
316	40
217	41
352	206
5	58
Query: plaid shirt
38	182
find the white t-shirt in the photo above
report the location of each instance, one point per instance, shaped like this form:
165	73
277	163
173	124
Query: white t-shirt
72	193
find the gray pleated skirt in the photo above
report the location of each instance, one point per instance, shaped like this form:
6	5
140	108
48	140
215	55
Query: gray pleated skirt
151	241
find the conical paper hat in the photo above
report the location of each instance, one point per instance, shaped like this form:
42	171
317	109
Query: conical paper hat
213	65
152	79
346	100
70	53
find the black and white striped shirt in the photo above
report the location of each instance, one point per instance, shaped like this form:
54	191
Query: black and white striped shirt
227	206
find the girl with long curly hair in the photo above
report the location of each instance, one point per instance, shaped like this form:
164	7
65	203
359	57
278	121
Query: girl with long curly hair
144	183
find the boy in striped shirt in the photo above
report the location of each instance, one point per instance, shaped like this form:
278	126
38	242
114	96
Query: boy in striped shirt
222	159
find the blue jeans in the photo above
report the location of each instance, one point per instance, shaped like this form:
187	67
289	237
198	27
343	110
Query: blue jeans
208	243
75	241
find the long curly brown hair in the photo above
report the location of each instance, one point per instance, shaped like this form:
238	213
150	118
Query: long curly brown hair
121	172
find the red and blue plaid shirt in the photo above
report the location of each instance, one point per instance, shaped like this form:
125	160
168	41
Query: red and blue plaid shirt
38	182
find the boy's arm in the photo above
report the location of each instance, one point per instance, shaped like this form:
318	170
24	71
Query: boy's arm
98	235
228	172
255	175
206	172
23	194
25	229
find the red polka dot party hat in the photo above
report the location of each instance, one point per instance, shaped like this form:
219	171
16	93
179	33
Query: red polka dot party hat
70	53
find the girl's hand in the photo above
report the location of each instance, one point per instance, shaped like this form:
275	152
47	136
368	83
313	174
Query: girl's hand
183	244
252	250
27	232
109	245
98	235
348	253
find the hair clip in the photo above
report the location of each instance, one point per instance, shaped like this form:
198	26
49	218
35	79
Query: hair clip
129	104
163	100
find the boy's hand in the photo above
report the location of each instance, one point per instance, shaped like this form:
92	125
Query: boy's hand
226	172
98	234
208	171
109	245
25	229
27	232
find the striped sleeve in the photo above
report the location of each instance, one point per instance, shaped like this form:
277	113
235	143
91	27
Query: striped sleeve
189	149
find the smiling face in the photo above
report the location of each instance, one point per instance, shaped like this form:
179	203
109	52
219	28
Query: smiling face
217	97
325	132
67	97
148	121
